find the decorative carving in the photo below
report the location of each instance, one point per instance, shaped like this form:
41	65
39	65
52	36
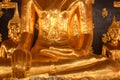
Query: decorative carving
14	26
104	12
6	4
113	34
116	4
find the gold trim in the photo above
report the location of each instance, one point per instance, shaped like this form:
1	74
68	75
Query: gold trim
116	4
104	12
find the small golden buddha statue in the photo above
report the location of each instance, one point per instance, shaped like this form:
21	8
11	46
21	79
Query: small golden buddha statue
111	40
8	46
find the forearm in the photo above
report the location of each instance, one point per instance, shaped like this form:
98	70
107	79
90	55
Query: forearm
27	25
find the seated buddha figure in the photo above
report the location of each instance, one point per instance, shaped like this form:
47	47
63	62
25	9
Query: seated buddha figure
111	40
65	31
9	45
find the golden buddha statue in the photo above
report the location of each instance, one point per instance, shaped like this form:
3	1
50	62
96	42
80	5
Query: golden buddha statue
111	41
55	38
64	38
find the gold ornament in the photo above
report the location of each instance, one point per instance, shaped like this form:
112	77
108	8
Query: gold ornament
116	4
14	26
104	12
6	4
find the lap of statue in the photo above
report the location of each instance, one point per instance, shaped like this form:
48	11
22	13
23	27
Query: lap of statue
61	34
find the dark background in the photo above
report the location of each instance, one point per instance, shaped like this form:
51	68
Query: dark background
100	24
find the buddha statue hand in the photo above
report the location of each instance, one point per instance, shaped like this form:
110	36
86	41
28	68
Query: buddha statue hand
21	59
59	53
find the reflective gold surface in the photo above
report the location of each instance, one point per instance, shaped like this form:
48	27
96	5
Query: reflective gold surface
116	4
104	69
63	44
65	33
61	29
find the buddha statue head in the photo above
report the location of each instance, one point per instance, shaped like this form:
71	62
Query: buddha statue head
14	27
113	34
